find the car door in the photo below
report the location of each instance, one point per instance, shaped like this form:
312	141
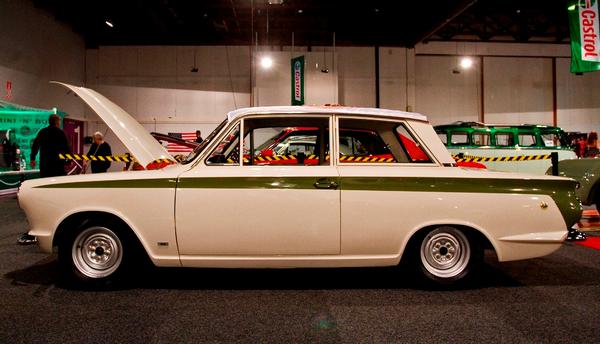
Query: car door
230	205
378	207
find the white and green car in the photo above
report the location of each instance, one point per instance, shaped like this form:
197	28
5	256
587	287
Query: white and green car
226	207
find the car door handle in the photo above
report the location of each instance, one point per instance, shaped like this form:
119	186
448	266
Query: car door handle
325	183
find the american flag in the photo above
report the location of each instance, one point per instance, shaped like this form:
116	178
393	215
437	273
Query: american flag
173	147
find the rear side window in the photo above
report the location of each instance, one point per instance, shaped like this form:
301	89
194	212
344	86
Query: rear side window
373	141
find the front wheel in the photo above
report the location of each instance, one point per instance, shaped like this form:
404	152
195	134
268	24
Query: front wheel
95	255
447	255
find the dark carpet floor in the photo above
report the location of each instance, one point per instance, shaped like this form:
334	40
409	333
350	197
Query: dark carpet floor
555	299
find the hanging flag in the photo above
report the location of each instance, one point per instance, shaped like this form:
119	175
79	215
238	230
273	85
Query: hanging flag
585	35
298	80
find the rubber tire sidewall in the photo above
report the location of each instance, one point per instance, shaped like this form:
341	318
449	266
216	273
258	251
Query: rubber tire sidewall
475	260
71	273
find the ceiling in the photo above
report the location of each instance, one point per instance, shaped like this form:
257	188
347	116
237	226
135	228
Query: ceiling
312	22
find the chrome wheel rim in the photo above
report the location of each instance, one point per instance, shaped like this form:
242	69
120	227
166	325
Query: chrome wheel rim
445	252
97	252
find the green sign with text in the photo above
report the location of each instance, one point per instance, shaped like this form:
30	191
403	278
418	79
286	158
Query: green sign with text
298	80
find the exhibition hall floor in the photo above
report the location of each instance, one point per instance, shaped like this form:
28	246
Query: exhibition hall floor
551	299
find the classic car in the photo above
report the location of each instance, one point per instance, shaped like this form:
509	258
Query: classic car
586	171
525	140
218	209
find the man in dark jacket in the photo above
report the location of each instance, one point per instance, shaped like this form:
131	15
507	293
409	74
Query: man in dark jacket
50	142
99	148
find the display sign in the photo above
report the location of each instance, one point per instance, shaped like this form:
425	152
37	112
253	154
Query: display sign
585	35
298	80
25	126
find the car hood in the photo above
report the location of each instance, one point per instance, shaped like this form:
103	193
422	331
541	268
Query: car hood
136	138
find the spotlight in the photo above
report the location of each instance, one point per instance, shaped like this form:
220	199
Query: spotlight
466	63
109	23
266	62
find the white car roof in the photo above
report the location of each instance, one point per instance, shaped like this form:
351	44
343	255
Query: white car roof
355	111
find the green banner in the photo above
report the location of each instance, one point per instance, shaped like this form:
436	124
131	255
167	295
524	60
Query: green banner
585	36
298	80
20	127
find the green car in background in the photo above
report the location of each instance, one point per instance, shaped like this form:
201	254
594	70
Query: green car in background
587	172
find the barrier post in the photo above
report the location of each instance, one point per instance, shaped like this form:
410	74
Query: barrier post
554	156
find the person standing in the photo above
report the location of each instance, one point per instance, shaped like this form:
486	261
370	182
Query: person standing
99	148
199	138
50	142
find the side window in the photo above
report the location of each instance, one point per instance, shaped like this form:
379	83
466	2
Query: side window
444	138
526	140
481	139
551	140
372	141
505	139
459	139
227	151
286	141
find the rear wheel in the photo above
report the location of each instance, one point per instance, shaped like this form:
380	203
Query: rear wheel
447	255
95	254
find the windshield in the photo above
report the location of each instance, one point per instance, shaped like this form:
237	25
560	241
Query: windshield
204	143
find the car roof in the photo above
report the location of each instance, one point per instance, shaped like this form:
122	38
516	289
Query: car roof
344	110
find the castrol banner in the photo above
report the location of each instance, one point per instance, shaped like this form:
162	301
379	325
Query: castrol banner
584	25
298	80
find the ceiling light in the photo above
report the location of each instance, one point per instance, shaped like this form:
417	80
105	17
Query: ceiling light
266	62
300	11
466	63
109	23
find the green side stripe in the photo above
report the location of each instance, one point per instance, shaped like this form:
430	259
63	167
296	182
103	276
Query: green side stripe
562	191
116	184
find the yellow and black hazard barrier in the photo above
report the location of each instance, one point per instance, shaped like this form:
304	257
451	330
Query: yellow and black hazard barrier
352	158
111	158
470	158
294	158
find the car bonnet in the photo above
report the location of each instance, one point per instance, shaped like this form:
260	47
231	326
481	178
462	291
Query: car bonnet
145	148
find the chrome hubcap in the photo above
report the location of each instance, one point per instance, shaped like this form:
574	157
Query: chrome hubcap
445	252
97	252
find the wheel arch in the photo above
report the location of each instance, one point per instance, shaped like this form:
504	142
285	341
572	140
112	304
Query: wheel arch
470	229
75	220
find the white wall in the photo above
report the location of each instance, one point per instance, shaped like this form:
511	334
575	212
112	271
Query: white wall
578	99
34	49
444	92
518	90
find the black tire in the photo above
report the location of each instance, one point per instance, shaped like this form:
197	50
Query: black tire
445	255
96	255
